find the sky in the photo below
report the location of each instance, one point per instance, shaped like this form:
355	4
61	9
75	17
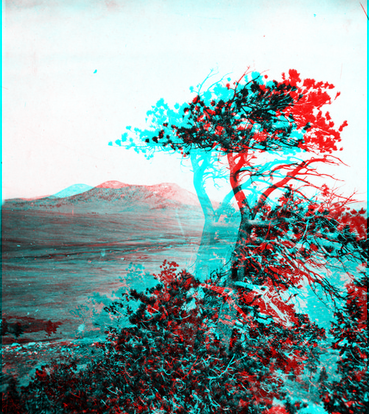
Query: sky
77	72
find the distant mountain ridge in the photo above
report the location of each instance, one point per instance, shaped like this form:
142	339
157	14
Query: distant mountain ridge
111	196
115	196
112	184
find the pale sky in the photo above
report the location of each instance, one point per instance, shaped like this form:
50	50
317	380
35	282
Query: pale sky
77	72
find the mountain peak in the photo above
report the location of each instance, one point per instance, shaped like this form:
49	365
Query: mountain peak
112	184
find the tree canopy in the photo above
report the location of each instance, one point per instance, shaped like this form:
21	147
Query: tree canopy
272	134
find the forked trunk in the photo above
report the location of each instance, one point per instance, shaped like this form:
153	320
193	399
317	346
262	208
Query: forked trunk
228	314
244	231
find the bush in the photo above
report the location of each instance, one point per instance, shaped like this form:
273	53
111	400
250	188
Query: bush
170	359
350	395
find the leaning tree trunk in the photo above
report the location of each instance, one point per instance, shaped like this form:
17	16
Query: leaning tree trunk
228	313
239	255
203	266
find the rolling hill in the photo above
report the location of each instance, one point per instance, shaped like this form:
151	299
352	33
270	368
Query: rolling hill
111	196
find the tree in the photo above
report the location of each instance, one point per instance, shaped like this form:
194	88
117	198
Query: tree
294	229
248	121
173	357
271	135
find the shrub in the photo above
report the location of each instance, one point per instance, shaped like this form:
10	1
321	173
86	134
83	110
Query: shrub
350	395
170	358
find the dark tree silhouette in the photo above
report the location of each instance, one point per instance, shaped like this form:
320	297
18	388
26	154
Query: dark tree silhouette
271	135
251	120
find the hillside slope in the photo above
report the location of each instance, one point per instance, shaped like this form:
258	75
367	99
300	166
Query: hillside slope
114	196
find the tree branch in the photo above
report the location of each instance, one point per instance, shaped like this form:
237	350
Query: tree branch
285	180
